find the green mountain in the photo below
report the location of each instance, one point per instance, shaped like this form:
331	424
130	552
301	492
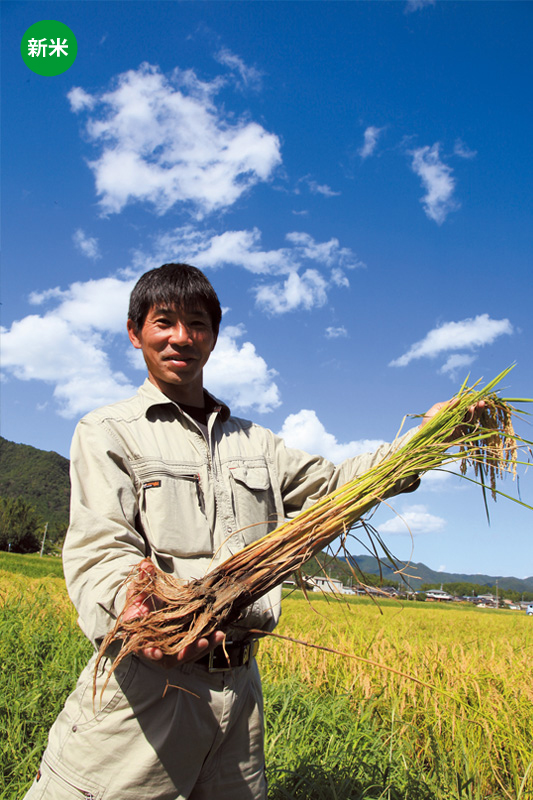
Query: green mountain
42	479
39	477
420	575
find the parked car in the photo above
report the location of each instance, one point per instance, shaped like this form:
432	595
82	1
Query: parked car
529	609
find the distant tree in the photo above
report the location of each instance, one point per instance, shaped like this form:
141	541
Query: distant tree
517	597
20	526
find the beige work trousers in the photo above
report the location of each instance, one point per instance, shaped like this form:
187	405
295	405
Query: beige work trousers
157	734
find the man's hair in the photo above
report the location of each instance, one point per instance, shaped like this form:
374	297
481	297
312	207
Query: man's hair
174	286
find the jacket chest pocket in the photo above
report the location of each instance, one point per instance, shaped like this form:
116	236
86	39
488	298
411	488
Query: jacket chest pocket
172	506
254	505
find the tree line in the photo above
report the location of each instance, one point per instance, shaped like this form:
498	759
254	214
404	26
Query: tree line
21	527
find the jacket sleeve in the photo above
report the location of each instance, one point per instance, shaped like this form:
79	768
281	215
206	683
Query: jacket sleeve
305	479
102	544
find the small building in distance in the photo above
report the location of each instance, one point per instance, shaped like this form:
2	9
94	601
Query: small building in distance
323	583
439	595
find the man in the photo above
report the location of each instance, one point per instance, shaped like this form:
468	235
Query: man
169	475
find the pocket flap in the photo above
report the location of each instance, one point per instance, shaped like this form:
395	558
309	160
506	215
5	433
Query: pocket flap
255	477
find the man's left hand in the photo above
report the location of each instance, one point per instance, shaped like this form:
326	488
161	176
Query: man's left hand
473	413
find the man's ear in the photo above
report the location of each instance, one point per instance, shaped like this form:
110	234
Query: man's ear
132	333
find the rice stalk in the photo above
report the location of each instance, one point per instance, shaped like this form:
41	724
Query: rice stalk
186	612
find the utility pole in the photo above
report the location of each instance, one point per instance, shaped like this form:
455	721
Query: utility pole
42	543
497	600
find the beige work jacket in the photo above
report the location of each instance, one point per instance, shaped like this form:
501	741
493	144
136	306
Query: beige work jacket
147	482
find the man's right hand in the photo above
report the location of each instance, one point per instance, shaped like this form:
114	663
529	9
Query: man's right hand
144	604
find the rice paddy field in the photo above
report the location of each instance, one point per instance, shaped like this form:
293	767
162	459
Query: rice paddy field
431	702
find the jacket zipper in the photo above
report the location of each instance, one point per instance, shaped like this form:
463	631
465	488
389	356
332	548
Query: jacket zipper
183	476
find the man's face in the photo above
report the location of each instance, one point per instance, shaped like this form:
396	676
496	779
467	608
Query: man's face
176	344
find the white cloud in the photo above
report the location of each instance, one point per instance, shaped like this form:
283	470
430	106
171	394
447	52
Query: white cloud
437	480
86	244
307	291
371	139
49	349
38	298
238	375
455	363
305	432
235	373
72	343
438	181
242	248
460	149
80	100
208	250
79	324
329	253
321	188
417	5
164	141
468	334
250	76
69	345
414	519
135	358
94	305
303	288
339	278
336	333
91	389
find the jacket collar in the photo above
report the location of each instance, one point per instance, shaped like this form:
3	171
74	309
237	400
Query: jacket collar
152	396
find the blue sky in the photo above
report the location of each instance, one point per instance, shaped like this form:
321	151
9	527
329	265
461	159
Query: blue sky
354	178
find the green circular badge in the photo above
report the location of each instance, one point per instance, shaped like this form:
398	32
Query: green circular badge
49	47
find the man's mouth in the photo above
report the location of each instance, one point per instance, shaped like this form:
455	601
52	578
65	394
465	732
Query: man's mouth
177	358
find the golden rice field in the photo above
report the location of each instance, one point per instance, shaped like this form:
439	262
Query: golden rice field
456	680
438	704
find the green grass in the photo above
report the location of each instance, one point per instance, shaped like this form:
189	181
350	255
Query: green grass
32	565
463	732
332	733
320	746
42	652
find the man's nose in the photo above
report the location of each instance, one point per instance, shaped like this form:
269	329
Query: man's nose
180	334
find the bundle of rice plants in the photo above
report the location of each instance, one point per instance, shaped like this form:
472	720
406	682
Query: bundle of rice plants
186	612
